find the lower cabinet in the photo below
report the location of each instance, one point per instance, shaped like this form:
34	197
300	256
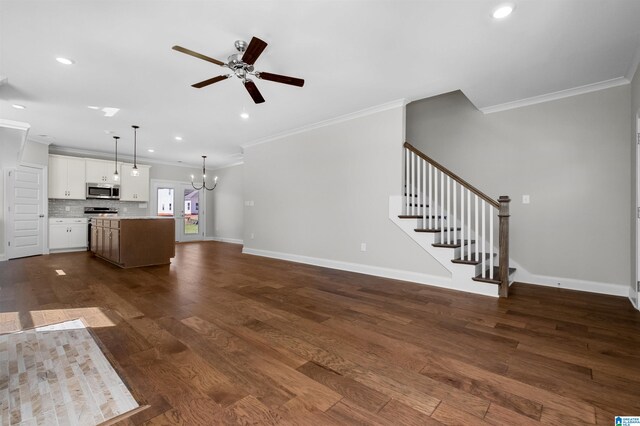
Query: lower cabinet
67	234
133	242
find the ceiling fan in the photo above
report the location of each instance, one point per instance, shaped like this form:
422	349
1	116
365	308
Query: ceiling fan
241	64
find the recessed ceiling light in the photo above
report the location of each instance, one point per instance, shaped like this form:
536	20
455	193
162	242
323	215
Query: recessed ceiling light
151	150
503	11
110	112
93	107
178	138
65	61
16	106
244	115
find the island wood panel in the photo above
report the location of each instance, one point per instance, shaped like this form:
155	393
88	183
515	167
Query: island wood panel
135	242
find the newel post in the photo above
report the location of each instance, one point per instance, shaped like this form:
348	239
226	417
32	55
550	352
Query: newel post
503	272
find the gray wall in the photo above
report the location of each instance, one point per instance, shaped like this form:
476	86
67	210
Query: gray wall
226	205
323	192
635	112
570	155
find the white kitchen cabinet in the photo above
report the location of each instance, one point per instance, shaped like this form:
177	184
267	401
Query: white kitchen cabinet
67	177
101	171
134	188
68	234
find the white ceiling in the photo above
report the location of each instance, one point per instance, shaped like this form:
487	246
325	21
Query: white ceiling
352	54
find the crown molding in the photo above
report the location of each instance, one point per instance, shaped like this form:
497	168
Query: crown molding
100	155
342	118
17	125
587	88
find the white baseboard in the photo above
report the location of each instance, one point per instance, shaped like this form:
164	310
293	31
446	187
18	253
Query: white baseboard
396	274
225	240
3	257
574	284
66	250
634	300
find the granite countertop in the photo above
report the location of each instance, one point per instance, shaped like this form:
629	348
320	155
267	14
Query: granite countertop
137	217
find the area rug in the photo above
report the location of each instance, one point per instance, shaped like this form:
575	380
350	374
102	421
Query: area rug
58	375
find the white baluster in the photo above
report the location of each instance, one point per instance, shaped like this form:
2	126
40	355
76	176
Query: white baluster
469	226
411	177
491	216
424	193
406	181
455	213
476	228
431	197
484	237
462	224
418	182
442	235
448	210
434	212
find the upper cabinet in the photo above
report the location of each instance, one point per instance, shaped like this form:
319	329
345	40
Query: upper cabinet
134	188
67	177
101	171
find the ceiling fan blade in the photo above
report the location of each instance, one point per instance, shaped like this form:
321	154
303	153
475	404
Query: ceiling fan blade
197	55
281	79
254	50
210	81
253	91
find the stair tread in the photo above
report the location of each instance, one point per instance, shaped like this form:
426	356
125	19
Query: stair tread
419	216
492	279
433	229
452	244
472	259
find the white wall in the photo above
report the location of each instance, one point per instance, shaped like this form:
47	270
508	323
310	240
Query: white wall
635	112
323	192
570	155
225	221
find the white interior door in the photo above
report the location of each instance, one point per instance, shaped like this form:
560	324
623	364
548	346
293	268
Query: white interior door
25	212
183	203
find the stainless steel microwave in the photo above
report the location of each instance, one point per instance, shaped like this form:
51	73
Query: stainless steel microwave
105	191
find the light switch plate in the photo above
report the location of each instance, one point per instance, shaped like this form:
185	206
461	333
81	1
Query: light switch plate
526	199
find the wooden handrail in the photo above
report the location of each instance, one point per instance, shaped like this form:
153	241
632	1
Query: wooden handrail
452	175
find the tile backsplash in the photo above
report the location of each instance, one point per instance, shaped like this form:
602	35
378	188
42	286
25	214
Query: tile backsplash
57	207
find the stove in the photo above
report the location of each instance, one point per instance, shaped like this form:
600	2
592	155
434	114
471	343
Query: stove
98	212
101	211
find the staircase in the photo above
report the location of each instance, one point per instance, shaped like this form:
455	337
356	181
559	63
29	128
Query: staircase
460	226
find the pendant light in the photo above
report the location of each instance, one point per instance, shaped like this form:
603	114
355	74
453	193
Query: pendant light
204	184
135	171
116	176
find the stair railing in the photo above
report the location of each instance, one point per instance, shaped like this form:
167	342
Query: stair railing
458	210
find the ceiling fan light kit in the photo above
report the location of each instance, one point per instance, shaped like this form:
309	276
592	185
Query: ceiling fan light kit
241	65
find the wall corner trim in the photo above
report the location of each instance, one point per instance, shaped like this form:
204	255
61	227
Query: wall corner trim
580	90
350	116
633	67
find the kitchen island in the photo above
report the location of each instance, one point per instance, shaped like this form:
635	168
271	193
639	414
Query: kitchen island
131	242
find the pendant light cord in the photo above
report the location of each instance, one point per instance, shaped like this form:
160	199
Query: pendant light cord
135	145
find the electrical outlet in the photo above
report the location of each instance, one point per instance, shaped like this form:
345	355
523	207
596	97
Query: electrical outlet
125	209
363	246
252	236
526	199
67	209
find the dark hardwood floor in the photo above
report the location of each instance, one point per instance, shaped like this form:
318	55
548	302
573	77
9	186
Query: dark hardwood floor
225	338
